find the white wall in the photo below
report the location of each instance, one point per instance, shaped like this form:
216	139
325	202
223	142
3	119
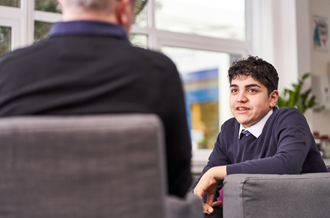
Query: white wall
274	37
319	62
282	35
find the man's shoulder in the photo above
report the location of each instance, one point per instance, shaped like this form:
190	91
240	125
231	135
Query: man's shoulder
21	53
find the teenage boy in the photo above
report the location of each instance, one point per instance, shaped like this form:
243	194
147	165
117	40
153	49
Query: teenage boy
261	138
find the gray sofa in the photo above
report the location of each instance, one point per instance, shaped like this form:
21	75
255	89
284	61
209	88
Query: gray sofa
86	166
280	196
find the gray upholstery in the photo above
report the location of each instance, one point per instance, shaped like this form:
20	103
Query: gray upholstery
191	207
294	196
96	166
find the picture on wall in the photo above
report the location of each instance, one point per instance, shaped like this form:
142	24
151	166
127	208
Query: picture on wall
320	33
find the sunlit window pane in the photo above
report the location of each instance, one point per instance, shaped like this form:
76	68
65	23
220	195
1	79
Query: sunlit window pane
139	40
5	40
11	3
142	18
47	5
199	71
214	18
41	30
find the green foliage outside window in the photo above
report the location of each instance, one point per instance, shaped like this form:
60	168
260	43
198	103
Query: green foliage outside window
47	5
11	3
5	40
41	30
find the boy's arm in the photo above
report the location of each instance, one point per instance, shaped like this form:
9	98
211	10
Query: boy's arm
217	158
206	185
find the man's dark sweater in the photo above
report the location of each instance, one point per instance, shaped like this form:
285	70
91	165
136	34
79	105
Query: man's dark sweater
285	146
89	67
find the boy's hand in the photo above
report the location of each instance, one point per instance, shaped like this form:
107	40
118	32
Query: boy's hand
209	209
208	184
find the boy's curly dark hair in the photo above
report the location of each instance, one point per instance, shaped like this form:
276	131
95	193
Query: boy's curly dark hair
259	69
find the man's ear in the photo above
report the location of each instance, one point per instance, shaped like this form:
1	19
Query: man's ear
124	11
273	97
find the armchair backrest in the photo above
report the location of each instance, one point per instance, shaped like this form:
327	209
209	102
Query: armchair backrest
82	166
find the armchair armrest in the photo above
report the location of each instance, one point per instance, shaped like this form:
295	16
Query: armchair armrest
256	195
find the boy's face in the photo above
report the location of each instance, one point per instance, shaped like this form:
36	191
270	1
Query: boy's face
249	100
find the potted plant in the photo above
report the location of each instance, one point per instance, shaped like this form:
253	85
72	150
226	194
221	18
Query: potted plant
297	99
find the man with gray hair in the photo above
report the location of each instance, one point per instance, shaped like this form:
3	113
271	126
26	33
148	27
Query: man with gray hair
88	66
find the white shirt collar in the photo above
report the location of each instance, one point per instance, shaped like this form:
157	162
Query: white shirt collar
256	129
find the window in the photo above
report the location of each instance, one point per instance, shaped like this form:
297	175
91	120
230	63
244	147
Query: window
5	40
215	18
47	5
199	71
139	40
11	3
202	38
41	30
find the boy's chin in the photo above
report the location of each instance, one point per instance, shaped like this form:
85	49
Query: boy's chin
244	123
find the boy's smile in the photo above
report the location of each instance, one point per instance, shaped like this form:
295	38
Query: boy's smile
249	100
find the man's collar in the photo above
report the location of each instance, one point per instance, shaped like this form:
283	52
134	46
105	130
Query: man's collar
89	28
257	128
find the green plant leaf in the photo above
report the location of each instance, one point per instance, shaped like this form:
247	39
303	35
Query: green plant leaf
295	98
281	102
311	102
305	76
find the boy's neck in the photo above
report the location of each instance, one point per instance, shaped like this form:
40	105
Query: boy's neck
256	129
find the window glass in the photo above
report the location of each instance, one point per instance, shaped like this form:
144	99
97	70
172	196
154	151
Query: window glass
41	30
214	18
139	40
199	71
11	3
47	5
142	17
5	40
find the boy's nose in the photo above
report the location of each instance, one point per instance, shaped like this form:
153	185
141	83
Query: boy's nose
241	97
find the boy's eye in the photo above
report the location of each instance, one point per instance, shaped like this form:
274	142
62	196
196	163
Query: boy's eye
252	90
233	90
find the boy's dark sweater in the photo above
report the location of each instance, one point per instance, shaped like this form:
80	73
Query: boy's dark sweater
285	146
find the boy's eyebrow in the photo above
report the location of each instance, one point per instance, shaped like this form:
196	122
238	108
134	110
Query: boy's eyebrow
252	85
247	86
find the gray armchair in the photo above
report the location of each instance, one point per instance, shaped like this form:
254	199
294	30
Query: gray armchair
277	196
86	166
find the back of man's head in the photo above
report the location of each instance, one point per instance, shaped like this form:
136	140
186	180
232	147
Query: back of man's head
90	5
121	12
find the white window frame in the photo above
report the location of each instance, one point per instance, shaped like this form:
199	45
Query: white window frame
19	20
15	31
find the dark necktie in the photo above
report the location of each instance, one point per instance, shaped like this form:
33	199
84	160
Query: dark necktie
246	132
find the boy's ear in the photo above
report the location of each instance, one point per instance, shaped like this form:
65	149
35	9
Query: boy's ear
273	97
